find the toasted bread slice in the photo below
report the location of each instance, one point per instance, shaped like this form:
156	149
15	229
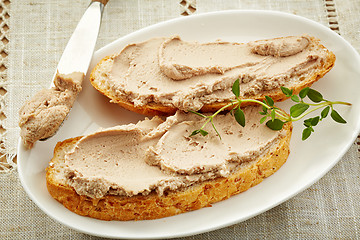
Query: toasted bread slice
153	206
99	78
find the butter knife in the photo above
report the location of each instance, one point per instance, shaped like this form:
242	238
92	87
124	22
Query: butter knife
76	58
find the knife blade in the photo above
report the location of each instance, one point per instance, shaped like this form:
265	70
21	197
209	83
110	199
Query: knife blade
80	48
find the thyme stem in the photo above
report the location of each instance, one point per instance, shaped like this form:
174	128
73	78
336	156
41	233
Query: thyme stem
277	116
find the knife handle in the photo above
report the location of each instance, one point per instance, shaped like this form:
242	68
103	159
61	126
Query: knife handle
102	1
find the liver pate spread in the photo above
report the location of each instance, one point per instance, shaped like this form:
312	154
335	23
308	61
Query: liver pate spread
156	155
187	75
42	115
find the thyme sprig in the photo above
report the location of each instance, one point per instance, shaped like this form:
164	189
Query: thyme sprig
275	117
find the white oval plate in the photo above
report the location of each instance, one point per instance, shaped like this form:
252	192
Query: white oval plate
308	160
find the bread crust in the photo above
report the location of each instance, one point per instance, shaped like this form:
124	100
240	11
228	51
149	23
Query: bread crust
153	206
153	108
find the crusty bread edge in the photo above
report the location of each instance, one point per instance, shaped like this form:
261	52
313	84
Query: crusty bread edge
153	206
153	109
150	109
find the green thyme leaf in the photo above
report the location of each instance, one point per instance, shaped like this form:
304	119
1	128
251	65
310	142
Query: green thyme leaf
262	120
194	133
298	109
286	91
336	116
314	95
303	92
307	122
315	121
203	132
306	133
295	98
236	88
325	112
275	124
269	101
240	116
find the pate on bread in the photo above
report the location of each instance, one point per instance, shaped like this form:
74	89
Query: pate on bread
161	75
111	174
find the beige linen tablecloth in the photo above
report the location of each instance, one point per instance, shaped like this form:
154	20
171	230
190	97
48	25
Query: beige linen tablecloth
33	36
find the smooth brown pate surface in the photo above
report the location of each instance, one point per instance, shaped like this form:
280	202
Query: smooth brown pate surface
188	75
158	156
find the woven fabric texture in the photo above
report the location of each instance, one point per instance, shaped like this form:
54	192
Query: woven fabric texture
5	161
39	31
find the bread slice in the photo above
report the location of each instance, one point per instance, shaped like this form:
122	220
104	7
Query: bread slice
100	74
153	206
